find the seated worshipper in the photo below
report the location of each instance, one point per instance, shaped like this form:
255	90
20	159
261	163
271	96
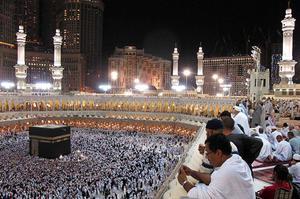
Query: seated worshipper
285	129
281	178
231	178
248	147
266	149
237	129
262	134
270	120
294	169
283	151
213	127
272	138
294	142
241	119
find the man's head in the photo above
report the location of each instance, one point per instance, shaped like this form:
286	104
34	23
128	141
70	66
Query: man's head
214	126
273	128
280	173
296	158
290	135
218	149
236	110
225	114
279	138
228	124
285	125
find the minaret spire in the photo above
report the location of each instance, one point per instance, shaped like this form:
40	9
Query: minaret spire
57	69
175	77
200	76
287	65
21	68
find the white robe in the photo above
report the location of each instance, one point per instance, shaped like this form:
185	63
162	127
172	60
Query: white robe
285	131
232	180
234	150
273	139
294	170
283	151
242	120
266	149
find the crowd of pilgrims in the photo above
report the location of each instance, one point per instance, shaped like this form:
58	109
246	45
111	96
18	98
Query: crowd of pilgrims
256	134
102	164
280	141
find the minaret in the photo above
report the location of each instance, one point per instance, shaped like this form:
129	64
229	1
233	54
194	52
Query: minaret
287	65
21	68
57	70
175	77
256	80
200	76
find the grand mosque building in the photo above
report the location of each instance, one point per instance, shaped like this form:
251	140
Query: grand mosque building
173	111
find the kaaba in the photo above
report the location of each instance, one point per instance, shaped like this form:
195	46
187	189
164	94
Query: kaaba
49	141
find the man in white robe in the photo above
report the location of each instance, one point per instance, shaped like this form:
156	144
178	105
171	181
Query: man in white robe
241	119
283	151
266	149
285	129
273	139
294	170
231	178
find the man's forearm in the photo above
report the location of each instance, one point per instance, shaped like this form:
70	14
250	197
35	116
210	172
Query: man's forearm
203	177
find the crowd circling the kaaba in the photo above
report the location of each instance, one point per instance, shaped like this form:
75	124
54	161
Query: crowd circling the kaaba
103	164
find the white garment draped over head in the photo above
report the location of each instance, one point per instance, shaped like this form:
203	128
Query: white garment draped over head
242	120
273	139
266	149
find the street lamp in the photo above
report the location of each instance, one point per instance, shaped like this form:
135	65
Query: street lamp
186	73
215	76
221	81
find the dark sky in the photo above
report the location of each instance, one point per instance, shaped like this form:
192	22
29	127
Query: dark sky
225	27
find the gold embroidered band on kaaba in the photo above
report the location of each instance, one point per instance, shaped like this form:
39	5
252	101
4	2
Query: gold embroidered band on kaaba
50	139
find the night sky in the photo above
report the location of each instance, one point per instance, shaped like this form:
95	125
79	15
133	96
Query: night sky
225	27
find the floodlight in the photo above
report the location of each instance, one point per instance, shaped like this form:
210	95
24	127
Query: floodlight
141	87
179	88
114	75
105	87
7	85
43	85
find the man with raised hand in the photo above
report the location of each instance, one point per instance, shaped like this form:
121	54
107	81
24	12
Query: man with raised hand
231	177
